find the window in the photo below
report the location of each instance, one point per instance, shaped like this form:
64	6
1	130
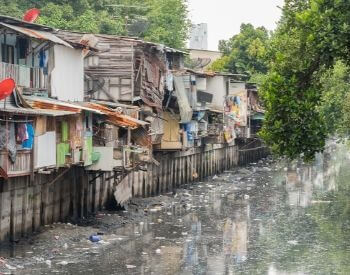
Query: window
8	53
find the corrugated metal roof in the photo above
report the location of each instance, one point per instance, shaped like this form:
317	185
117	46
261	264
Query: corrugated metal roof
21	23
73	36
42	103
35	112
38	34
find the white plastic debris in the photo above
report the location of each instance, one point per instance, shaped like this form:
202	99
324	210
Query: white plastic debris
158	251
293	242
48	262
63	263
128	266
9	267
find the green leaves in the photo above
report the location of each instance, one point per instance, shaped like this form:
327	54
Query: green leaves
245	52
300	93
163	21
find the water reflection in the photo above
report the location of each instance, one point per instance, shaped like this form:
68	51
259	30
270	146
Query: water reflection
291	220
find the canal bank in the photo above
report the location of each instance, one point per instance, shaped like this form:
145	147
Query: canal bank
27	203
266	218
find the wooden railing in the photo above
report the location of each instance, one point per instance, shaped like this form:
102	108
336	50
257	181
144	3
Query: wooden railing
22	165
24	76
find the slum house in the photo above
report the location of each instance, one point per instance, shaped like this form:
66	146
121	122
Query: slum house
37	60
256	110
130	75
206	108
186	110
213	107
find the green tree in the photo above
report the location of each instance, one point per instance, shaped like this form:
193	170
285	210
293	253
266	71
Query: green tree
335	90
244	53
310	36
168	22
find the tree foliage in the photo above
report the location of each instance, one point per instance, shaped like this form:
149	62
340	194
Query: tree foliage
335	91
244	53
162	21
310	37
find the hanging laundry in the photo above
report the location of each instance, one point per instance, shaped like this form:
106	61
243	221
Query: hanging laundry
22	133
28	144
8	140
43	59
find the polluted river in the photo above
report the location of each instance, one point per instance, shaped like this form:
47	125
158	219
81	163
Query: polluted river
271	217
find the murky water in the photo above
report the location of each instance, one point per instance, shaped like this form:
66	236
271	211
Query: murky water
265	219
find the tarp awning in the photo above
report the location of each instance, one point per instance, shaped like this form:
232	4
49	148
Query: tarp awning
41	35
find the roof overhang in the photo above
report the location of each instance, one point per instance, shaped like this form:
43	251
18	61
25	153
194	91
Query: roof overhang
36	34
52	104
36	112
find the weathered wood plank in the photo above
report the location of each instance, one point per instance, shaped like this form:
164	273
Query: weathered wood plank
5	216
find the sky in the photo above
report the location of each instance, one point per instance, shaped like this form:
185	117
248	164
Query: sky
224	17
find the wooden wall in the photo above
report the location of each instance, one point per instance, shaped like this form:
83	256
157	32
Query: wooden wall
70	194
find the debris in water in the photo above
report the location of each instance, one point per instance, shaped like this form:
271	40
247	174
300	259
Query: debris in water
158	251
293	242
63	263
10	267
48	262
95	238
2	261
130	266
317	202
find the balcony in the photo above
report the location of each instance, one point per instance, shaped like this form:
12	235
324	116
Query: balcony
26	77
22	165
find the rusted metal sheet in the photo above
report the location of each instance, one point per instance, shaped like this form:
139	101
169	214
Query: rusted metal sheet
41	35
20	106
141	137
116	118
52	104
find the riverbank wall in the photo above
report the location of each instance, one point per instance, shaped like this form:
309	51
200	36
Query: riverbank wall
30	202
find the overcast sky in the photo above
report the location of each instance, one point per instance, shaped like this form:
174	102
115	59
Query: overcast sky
224	17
